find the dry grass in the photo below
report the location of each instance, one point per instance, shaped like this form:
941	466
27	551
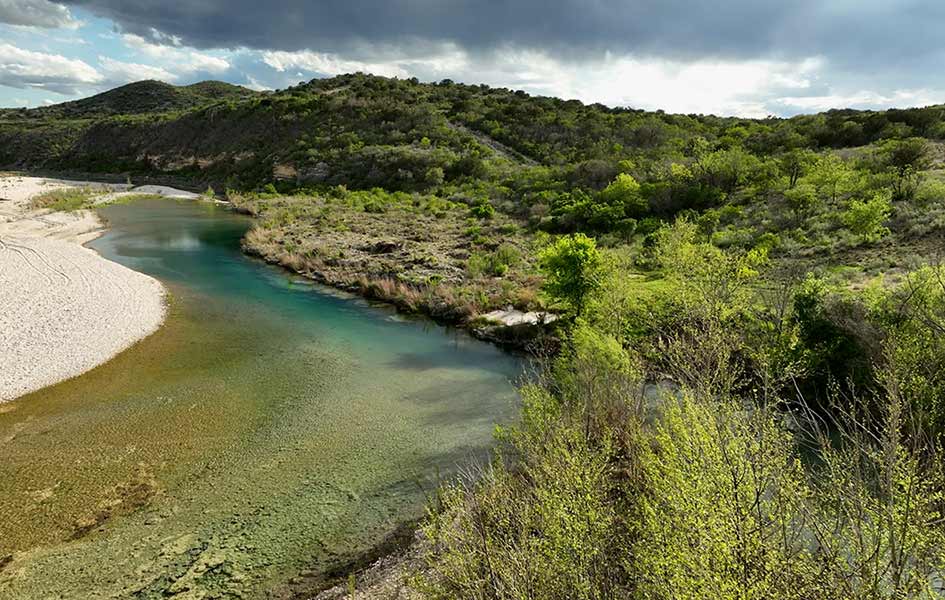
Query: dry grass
419	253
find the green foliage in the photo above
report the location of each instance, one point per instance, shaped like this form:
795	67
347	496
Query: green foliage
546	530
482	210
796	162
917	344
730	169
568	166
865	218
724	494
832	177
930	191
906	158
66	199
571	266
826	351
706	492
708	280
625	191
801	199
496	263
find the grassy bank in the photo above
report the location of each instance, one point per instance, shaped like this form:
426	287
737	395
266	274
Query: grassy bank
422	253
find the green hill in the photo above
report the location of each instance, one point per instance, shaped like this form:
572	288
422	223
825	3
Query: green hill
366	131
136	98
555	164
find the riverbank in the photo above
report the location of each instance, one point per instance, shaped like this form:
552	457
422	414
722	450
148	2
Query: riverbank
424	255
63	308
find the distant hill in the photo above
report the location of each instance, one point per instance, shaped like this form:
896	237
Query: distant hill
364	131
142	97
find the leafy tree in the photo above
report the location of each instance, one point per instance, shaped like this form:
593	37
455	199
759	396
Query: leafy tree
624	191
434	176
728	169
832	177
865	218
917	344
906	158
709	281
801	199
795	164
571	266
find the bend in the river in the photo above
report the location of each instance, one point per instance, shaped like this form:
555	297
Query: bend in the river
268	429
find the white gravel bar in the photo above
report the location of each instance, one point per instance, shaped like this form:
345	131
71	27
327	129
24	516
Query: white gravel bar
63	308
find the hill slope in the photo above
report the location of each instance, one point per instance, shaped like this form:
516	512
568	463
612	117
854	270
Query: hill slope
364	131
136	98
557	165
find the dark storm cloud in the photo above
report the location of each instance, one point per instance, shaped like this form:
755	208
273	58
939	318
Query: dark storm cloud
850	31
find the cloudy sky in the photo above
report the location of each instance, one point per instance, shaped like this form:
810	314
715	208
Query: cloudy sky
732	57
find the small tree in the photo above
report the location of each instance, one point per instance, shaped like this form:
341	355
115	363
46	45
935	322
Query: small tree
801	199
571	266
832	177
624	192
795	164
865	218
906	158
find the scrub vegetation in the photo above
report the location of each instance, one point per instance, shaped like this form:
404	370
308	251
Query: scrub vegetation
66	199
747	401
424	253
789	450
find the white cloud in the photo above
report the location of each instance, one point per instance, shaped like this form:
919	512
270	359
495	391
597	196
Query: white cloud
429	59
733	87
118	72
863	99
253	84
740	88
181	60
26	69
36	13
719	87
329	64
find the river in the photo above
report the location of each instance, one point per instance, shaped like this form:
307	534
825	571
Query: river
270	428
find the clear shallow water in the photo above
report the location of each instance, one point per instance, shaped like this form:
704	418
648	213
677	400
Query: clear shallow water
271	427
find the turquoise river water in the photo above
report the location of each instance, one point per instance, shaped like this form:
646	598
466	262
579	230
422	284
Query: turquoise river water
268	433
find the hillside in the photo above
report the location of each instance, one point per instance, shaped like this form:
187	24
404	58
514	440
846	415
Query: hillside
548	164
329	130
136	98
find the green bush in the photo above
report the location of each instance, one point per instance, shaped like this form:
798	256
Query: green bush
482	210
66	199
496	263
865	218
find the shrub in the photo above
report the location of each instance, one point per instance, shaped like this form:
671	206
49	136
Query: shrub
496	263
930	191
66	199
865	218
801	199
482	210
624	191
